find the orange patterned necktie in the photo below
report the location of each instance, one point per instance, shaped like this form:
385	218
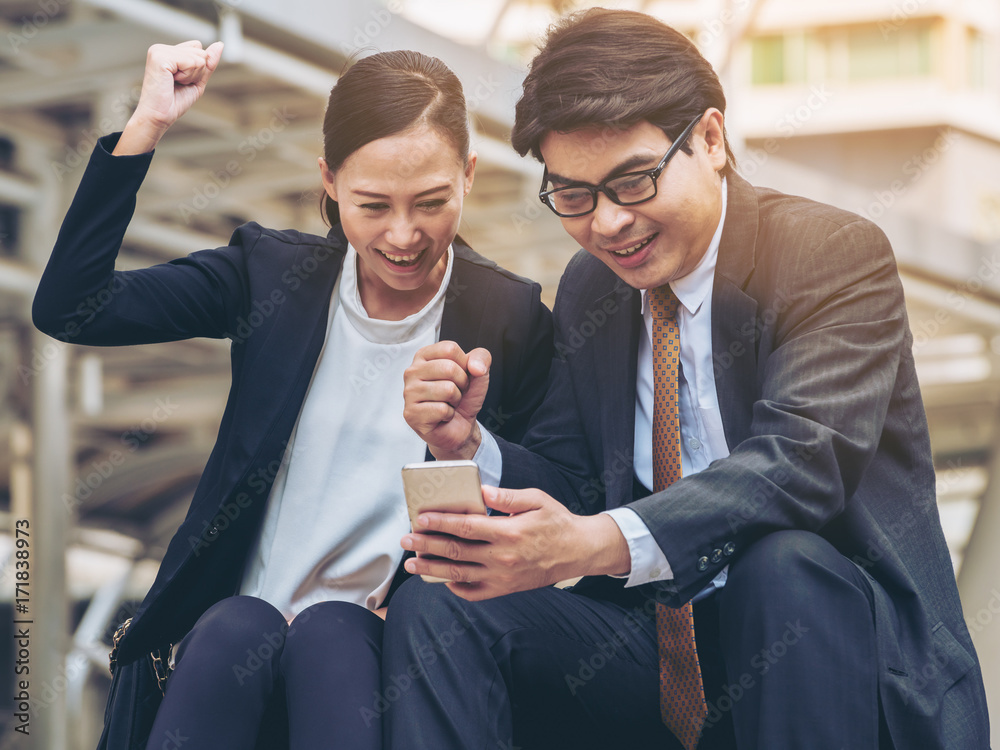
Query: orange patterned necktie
682	695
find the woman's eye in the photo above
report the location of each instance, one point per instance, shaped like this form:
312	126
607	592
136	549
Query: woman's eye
432	204
373	207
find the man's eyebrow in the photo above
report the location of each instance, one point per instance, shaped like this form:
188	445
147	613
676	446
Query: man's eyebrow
631	164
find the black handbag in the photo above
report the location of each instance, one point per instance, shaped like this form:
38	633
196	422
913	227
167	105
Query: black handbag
135	695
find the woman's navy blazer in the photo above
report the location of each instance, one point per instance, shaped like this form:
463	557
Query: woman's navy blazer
269	292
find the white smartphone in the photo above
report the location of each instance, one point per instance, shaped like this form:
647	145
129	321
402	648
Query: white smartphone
445	486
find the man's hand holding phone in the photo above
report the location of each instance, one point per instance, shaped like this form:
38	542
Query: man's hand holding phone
537	544
443	486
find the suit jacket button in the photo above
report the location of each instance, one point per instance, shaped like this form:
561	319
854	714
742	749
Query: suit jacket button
729	549
716	555
702	564
213	531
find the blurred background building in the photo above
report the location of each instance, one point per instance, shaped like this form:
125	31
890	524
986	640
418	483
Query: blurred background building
890	108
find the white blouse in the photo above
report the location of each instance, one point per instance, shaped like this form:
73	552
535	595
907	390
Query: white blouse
336	510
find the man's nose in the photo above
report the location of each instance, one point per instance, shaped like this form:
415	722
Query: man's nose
609	219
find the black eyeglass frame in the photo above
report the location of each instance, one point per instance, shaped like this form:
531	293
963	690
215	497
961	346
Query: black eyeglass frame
653	174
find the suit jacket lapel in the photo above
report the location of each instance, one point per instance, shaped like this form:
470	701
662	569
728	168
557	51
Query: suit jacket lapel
259	433
283	357
734	312
615	352
461	321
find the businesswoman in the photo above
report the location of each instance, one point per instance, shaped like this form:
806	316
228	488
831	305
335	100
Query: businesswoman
272	587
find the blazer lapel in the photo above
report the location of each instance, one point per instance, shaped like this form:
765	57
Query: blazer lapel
461	320
266	414
616	349
293	347
734	312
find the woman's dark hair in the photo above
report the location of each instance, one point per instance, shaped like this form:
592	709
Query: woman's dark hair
388	93
614	68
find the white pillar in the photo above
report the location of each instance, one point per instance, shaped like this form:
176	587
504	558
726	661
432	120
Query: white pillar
52	460
979	586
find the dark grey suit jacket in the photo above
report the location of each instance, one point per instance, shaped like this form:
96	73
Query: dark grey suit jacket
823	417
269	292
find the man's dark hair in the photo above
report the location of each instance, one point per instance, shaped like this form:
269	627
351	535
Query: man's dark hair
614	68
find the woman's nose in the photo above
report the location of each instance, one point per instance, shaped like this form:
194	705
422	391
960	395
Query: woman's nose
403	232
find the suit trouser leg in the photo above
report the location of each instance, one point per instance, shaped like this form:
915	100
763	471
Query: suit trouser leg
543	669
798	640
550	668
242	670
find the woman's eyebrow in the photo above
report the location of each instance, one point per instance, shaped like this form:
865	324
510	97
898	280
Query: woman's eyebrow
421	194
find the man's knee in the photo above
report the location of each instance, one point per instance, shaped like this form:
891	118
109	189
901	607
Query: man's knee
426	622
783	556
792	571
419	604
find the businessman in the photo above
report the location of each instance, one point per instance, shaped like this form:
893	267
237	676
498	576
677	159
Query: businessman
732	453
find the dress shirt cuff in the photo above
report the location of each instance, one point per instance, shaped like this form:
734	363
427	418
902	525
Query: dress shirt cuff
488	458
648	561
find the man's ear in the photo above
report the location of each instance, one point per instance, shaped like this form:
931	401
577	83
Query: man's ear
715	140
327	176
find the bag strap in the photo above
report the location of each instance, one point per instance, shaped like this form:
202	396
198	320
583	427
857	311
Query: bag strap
161	666
119	634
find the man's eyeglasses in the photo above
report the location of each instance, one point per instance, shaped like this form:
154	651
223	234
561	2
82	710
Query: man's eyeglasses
625	189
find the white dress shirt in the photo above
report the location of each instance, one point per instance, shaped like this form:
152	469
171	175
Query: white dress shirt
702	436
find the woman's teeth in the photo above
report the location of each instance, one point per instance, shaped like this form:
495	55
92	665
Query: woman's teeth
402	260
634	249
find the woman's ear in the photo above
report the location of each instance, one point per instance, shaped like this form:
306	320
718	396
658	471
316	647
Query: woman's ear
470	171
329	183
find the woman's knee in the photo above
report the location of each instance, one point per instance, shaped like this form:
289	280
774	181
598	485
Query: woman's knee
333	640
234	630
333	623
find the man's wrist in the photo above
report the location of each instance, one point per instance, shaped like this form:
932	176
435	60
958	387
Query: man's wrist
607	552
466	451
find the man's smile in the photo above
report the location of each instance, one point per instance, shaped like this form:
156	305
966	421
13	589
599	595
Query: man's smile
633	248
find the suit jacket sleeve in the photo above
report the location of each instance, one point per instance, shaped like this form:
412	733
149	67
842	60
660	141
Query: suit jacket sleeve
490	307
827	368
526	352
830	342
82	299
561	453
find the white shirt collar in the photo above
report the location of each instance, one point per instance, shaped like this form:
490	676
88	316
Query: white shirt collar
692	289
348	296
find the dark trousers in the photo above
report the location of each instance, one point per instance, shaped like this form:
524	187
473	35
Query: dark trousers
244	678
787	651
